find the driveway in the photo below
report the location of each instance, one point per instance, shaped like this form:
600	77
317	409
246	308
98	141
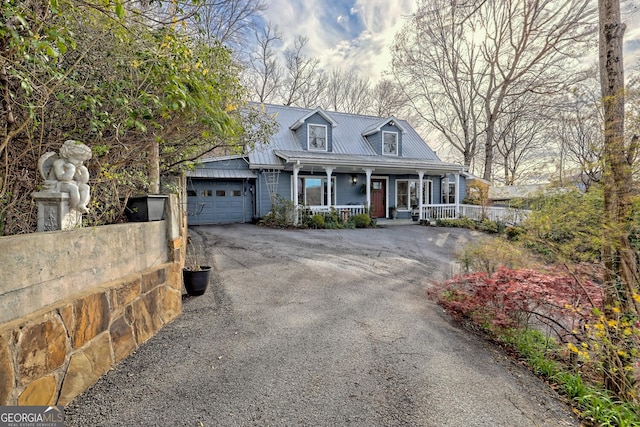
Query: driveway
320	328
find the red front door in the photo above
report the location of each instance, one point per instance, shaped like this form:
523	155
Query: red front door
378	198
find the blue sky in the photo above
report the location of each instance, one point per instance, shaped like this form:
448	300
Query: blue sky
357	34
345	34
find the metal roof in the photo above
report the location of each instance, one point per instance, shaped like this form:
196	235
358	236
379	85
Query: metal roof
387	162
347	139
221	173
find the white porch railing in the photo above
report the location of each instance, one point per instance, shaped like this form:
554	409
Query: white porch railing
509	216
342	209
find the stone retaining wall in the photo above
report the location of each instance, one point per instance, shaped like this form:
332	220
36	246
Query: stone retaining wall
59	349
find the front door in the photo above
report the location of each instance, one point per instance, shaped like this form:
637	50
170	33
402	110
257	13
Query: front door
378	198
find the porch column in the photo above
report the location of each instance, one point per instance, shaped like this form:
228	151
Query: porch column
328	169
296	191
368	184
420	189
457	195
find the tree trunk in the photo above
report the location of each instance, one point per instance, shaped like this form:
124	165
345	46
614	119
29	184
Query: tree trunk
154	168
621	276
488	151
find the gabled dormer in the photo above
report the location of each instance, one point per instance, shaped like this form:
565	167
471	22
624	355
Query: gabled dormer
314	131
385	136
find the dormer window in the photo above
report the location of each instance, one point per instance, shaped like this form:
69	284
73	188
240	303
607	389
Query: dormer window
317	139
390	143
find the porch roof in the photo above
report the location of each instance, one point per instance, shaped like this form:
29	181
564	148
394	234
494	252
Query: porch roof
221	173
354	162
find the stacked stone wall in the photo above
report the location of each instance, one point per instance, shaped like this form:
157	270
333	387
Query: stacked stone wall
52	356
88	314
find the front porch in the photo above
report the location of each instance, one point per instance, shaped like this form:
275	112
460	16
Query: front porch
433	212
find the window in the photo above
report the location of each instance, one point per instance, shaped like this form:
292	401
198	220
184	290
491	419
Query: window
407	193
221	193
192	193
206	193
313	191
317	139
236	193
448	191
390	143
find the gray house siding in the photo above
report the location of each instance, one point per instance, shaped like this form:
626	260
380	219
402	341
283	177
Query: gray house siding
229	164
303	131
376	139
263	198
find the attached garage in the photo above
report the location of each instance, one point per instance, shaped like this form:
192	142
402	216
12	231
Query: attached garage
220	196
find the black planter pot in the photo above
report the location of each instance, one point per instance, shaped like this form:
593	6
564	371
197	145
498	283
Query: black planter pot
196	281
146	208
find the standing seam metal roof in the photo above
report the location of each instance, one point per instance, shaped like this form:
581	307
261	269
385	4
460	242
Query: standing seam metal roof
347	137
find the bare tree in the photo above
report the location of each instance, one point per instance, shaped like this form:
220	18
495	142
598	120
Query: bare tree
519	142
462	62
264	74
388	99
578	128
335	88
438	68
313	93
352	92
230	22
299	71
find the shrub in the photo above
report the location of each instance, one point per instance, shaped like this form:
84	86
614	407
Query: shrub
515	232
514	298
317	221
362	220
490	226
569	225
282	213
456	223
488	254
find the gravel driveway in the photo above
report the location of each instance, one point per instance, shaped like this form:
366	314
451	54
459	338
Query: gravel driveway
320	328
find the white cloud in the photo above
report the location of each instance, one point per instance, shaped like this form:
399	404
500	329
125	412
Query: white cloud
360	41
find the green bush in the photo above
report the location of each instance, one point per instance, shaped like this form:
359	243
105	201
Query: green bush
456	223
282	213
488	254
489	226
569	225
317	221
362	220
515	232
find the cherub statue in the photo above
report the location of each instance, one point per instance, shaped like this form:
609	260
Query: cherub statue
66	173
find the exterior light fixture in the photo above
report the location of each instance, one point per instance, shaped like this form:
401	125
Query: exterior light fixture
354	179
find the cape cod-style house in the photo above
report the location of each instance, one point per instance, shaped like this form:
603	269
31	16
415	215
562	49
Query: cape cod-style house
322	160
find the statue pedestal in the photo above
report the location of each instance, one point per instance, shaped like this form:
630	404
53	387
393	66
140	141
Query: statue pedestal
54	212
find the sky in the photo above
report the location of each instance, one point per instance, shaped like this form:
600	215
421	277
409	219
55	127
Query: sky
345	34
357	34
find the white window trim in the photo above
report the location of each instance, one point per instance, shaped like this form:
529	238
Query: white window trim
326	137
397	143
334	193
425	188
446	185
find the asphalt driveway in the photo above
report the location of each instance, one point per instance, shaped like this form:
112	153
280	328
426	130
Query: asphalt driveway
320	328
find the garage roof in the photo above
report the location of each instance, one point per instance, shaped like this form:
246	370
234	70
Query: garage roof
221	173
